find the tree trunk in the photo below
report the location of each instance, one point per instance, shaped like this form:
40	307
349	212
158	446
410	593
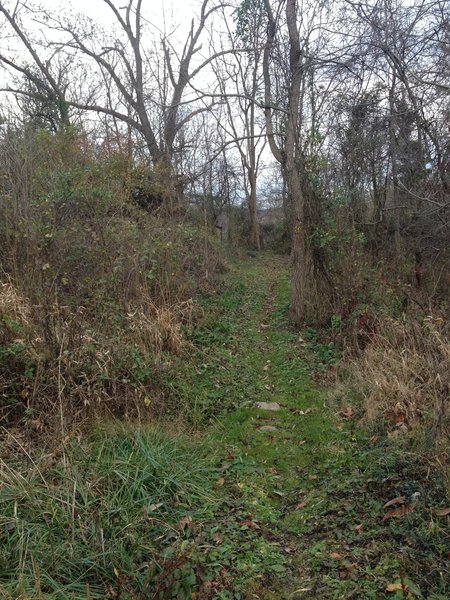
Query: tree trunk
254	236
298	252
292	156
166	180
394	167
289	156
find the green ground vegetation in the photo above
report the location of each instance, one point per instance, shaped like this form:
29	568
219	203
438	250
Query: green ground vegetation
239	502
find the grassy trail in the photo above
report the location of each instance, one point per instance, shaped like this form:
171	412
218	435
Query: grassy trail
255	504
311	490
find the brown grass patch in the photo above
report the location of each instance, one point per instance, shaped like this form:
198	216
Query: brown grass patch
159	328
14	308
403	376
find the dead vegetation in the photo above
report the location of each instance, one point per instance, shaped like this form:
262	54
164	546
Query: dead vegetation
402	376
159	328
94	290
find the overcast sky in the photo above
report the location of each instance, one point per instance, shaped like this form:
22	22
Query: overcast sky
172	17
156	11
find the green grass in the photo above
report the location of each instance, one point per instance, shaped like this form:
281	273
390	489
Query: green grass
230	511
110	517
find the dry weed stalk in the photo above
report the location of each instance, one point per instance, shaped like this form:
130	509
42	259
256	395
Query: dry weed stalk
159	328
14	305
404	374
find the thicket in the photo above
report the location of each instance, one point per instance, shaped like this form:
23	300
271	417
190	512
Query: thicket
96	280
387	313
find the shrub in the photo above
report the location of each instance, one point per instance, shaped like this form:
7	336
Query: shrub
93	288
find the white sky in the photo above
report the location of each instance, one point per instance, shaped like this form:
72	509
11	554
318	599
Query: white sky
171	17
173	11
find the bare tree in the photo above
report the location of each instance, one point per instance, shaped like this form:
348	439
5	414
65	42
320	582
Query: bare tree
241	85
399	54
157	111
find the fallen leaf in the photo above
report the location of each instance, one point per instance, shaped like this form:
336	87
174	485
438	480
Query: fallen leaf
441	512
336	556
400	418
351	567
217	538
401	511
220	482
154	507
347	413
300	505
111	593
186	521
359	527
398	500
250	524
395	587
312	477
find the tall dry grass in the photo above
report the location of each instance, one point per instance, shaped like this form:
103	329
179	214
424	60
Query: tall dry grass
402	376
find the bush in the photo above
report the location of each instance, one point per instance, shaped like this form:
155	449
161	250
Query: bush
94	289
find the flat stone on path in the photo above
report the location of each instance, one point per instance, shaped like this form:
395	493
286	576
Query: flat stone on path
268	406
268	428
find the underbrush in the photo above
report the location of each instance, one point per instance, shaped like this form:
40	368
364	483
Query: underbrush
94	288
133	513
400	381
243	511
385	332
377	530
